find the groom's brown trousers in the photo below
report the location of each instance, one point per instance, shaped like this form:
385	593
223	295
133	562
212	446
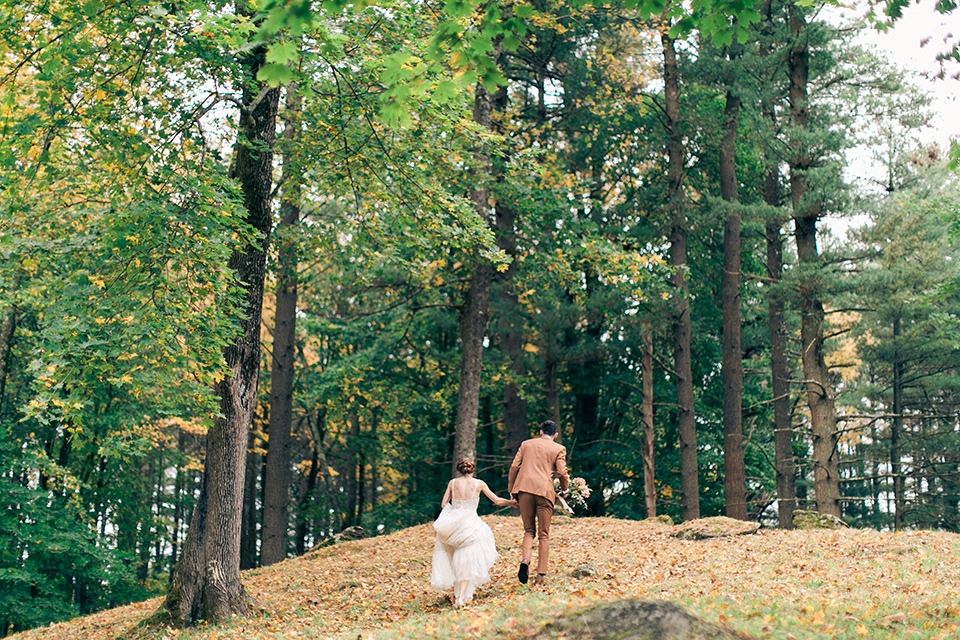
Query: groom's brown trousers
535	513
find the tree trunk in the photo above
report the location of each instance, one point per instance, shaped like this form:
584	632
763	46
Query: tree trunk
473	330
248	531
276	477
511	339
686	419
552	392
817	381
8	326
647	451
588	374
353	474
734	476
179	496
896	430
806	213
474	314
511	315
374	461
156	555
319	434
303	504
206	584
784	463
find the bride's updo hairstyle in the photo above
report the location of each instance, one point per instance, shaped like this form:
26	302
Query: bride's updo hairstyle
465	466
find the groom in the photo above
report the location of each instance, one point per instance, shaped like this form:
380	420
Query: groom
531	483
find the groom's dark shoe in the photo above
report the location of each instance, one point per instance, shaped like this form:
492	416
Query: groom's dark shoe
523	573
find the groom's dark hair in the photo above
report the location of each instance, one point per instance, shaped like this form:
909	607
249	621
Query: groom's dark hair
548	428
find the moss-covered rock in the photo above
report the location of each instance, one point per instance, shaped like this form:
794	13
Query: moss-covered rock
635	620
715	527
803	519
350	533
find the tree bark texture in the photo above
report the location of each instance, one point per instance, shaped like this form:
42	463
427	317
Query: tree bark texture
473	329
276	478
784	462
474	313
686	418
206	584
647	446
806	213
734	476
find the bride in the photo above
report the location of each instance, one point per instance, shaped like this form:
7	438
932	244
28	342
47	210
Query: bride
465	549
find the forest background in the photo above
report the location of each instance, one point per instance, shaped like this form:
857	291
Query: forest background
268	271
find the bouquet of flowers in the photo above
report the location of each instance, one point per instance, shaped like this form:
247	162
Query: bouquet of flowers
577	495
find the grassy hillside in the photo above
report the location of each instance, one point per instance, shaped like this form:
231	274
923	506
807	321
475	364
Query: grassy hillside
785	585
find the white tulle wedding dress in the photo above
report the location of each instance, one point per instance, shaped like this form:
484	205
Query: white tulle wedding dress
464	549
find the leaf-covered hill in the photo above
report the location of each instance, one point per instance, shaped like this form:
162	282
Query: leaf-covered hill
772	584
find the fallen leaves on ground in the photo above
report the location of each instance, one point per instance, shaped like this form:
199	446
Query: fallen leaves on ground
773	584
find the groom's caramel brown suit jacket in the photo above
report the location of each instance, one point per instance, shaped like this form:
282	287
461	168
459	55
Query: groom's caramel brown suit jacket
533	467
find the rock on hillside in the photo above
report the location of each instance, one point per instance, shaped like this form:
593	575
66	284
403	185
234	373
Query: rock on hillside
716	527
636	620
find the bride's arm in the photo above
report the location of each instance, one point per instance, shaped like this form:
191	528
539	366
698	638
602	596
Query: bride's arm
446	495
494	498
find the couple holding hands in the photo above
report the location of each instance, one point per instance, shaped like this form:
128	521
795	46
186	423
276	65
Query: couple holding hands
465	549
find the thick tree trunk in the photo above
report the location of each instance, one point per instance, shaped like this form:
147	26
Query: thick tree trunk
686	419
734	476
806	214
276	477
647	450
473	330
206	584
817	379
474	314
